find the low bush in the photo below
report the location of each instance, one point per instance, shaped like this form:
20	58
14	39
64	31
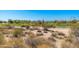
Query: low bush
2	39
17	32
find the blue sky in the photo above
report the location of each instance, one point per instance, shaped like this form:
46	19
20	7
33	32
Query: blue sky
39	14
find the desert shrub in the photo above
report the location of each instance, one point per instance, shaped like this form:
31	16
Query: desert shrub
31	34
2	40
68	44
46	29
17	32
52	39
31	43
16	43
23	26
19	43
38	30
54	34
39	34
65	44
45	43
60	37
69	40
27	27
59	33
36	42
52	31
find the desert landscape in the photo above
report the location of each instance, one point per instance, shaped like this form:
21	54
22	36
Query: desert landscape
38	35
39	29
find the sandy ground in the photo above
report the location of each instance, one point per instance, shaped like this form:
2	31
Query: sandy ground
66	31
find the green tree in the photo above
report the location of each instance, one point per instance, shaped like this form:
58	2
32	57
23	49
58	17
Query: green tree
10	21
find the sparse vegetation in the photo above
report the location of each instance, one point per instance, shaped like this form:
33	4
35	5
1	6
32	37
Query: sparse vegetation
28	34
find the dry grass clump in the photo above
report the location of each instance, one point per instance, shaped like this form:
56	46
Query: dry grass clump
31	34
39	34
16	43
2	39
52	39
38	43
66	44
43	46
17	32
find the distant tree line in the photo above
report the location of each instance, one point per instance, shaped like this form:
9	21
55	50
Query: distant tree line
38	21
41	22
